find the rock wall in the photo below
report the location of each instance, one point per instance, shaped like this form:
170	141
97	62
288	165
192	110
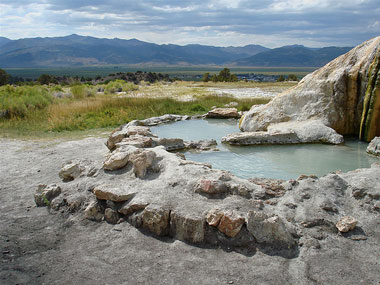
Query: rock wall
344	95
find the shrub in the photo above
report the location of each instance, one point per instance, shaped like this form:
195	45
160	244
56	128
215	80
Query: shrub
18	101
118	86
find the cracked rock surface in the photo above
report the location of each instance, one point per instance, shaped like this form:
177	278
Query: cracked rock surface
143	234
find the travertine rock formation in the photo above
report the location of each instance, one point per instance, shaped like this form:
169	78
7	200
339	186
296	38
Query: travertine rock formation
343	95
166	195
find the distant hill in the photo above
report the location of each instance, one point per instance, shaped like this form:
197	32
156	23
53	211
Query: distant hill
295	56
75	50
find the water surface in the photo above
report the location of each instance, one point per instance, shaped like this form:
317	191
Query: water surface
278	161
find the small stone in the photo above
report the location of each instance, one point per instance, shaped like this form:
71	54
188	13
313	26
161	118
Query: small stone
211	187
213	217
111	216
70	171
346	224
45	194
94	212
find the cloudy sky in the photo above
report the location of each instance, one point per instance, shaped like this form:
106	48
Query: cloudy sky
271	23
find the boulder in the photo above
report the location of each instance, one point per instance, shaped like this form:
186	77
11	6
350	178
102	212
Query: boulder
116	160
309	131
124	132
374	147
223	113
344	95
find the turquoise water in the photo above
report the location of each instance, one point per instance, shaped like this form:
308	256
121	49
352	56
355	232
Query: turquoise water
279	161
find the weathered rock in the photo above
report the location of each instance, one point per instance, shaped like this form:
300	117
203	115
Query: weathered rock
116	160
156	220
201	145
211	187
214	216
45	194
138	141
346	224
268	229
374	147
231	223
310	131
223	113
142	161
94	212
111	216
187	226
129	130
134	205
170	144
70	171
333	94
109	192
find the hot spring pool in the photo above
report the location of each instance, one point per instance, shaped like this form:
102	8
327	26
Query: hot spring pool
280	161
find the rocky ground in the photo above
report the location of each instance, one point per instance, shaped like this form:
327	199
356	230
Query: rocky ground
42	246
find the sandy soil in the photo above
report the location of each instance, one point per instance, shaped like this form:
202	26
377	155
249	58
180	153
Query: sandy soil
42	247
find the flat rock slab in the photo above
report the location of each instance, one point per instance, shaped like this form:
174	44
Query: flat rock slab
295	132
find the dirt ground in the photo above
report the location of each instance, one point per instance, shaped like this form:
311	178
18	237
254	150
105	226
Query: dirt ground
42	247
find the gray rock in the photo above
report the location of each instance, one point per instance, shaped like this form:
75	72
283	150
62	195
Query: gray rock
45	194
310	131
187	226
111	216
333	94
374	147
269	229
94	212
346	224
156	220
223	113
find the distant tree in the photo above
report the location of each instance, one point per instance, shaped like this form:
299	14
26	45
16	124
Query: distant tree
206	77
292	77
281	78
224	75
44	79
214	78
4	77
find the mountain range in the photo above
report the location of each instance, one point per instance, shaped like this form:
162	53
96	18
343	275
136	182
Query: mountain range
75	50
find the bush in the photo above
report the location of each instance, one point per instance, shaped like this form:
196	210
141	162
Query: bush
81	91
18	101
119	86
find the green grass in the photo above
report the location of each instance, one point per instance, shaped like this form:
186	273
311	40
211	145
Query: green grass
35	113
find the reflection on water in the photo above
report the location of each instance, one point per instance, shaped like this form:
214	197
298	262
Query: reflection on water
279	161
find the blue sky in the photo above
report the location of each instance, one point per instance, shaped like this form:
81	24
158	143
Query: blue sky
271	23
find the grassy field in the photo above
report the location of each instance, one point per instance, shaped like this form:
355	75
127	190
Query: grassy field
47	111
191	72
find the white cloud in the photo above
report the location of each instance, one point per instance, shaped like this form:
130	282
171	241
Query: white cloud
214	22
